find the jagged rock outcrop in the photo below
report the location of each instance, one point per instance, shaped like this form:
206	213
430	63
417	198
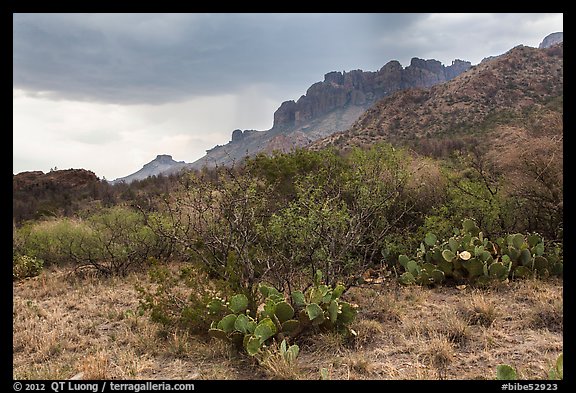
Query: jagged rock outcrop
237	135
357	87
552	39
163	164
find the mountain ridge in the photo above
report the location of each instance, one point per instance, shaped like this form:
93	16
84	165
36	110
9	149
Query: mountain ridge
162	164
327	106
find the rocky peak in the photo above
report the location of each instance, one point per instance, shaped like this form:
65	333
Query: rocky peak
552	39
458	66
334	77
237	135
162	159
162	164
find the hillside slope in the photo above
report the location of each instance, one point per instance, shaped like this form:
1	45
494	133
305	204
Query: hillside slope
522	88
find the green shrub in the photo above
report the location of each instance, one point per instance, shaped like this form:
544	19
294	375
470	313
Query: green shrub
26	266
54	241
113	241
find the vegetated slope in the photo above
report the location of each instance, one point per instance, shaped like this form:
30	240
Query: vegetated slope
517	94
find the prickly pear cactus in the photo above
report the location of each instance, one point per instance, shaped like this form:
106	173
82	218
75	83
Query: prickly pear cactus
278	317
470	256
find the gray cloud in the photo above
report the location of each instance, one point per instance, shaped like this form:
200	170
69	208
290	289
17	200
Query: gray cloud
134	58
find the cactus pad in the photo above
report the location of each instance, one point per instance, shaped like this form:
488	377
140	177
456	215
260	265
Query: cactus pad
283	311
238	303
290	326
218	333
227	323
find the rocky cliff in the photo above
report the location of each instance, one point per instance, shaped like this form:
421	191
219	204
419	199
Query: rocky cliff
520	92
341	89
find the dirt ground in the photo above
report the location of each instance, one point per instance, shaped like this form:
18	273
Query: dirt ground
64	325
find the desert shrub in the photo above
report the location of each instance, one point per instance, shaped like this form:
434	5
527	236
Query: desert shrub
26	266
120	241
516	188
311	233
214	217
177	298
282	171
54	241
353	212
113	241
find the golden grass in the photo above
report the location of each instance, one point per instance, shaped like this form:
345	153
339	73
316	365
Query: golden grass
278	367
481	310
437	352
63	326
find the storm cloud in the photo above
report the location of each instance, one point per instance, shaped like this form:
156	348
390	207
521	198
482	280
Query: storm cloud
125	58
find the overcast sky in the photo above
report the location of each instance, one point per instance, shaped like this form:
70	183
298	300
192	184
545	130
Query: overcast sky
109	92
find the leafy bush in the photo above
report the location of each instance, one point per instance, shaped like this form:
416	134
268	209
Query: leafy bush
54	241
351	213
214	218
113	241
176	300
26	266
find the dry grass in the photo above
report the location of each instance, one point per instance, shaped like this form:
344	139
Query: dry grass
481	310
437	352
63	326
368	331
277	367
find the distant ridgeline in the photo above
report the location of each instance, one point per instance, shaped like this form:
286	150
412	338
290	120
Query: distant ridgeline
330	106
327	107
